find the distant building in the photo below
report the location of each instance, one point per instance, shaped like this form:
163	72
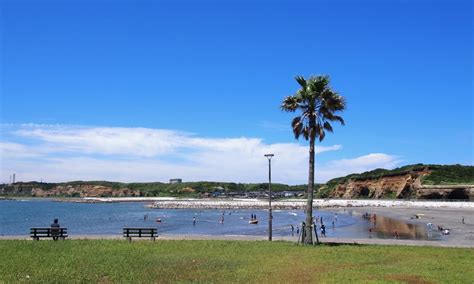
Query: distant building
175	180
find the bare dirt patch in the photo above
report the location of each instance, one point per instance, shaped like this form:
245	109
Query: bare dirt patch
415	279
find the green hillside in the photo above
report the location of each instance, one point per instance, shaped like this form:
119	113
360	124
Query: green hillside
178	189
453	174
157	189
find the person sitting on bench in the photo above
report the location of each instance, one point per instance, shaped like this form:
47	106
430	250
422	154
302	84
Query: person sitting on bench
55	229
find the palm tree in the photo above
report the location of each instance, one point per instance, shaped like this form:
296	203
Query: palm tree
318	104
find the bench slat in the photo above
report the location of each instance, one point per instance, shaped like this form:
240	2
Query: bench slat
140	233
37	233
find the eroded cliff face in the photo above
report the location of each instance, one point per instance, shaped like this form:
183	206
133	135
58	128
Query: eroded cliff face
85	191
401	186
455	192
71	191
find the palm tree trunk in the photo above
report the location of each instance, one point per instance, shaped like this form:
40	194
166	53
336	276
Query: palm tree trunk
309	204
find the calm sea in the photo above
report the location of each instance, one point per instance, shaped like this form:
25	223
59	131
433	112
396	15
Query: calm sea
18	216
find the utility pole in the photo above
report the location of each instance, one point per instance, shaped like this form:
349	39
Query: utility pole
270	216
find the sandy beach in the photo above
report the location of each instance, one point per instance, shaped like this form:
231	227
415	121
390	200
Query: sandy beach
461	235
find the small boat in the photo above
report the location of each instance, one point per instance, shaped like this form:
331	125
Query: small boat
158	220
255	221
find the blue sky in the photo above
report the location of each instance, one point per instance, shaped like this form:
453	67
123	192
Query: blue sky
86	85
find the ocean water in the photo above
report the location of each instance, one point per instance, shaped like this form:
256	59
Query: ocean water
18	216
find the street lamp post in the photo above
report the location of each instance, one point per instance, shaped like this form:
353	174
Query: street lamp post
270	216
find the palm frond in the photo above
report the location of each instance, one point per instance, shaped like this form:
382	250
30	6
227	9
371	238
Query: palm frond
321	134
302	81
337	118
327	126
290	104
297	126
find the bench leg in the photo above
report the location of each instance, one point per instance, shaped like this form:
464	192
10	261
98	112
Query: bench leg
129	239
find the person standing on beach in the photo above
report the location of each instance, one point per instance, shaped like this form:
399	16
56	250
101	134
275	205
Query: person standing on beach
463	219
292	230
194	220
430	226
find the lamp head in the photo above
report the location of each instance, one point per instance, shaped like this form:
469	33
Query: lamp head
269	156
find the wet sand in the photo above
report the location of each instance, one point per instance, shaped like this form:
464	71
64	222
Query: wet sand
461	235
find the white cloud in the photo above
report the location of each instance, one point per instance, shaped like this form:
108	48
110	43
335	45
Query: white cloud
360	164
63	153
104	140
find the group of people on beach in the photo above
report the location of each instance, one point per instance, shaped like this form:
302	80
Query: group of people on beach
370	217
444	231
315	220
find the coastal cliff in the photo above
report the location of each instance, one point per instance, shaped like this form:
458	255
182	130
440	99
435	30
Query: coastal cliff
399	184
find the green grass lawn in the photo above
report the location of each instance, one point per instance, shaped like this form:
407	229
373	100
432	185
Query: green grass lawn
229	261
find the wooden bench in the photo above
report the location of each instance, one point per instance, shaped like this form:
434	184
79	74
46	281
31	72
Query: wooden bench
130	233
55	233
